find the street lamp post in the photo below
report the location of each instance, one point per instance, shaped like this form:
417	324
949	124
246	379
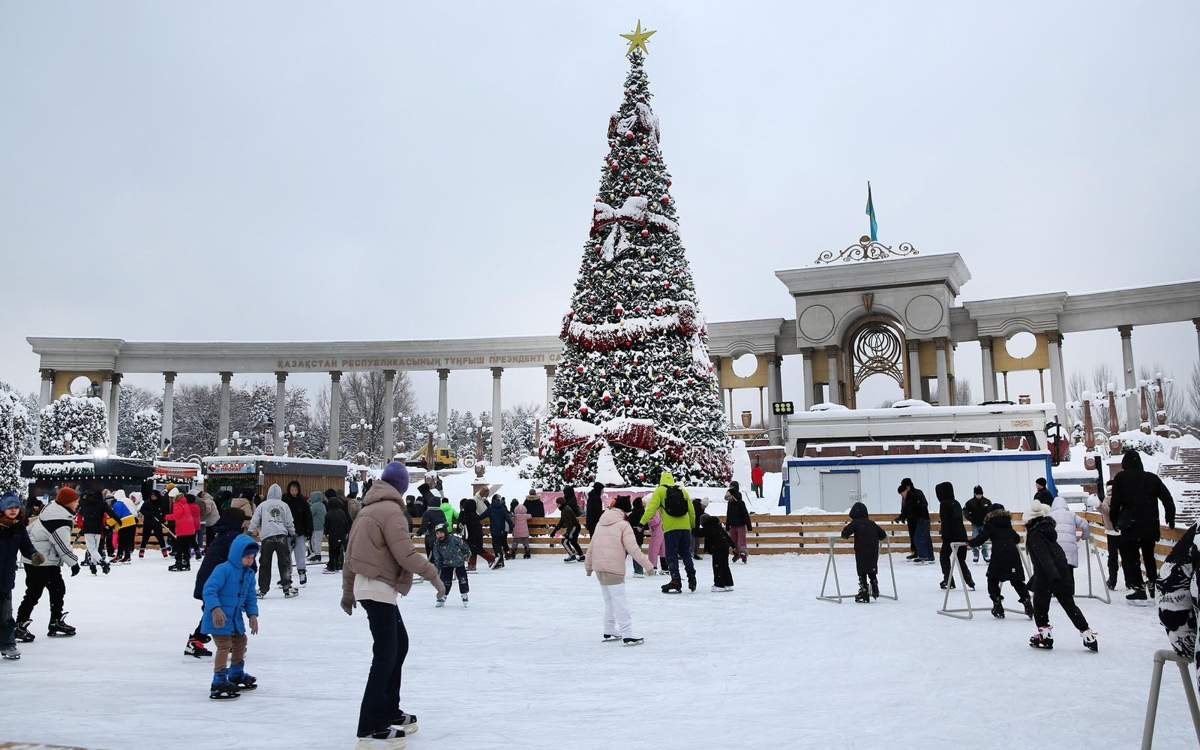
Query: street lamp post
291	435
361	429
236	442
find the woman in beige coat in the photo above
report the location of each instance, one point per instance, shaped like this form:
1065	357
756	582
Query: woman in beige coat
606	554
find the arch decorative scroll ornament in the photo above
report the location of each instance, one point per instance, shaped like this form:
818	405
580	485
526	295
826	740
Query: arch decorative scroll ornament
877	348
867	249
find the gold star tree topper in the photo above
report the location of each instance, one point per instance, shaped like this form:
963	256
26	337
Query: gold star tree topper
637	39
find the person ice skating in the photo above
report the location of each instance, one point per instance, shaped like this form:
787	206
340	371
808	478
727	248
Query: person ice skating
303	520
678	518
14	540
520	531
227	528
337	528
228	596
606	553
976	510
433	517
914	512
154	512
318	510
1005	564
634	517
1179	595
353	505
450	514
657	549
198	521
568	522
1052	577
718	543
245	503
499	521
595	507
380	563
123	519
1071	529
953	531
210	514
94	511
737	518
1112	537
756	479
185	531
472	526
50	534
698	505
867	535
450	555
1136	494
274	526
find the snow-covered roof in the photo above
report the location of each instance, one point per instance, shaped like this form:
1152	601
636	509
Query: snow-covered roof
275	459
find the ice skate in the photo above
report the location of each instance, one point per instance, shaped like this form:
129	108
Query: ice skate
874	587
1043	639
222	688
60	628
104	566
262	594
526	556
441	602
304	578
466	603
863	596
406	722
1111	583
1028	605
22	634
240	680
391	738
632	641
290	592
692	582
92	568
1090	642
672	587
948	583
10	653
998	609
610	638
638	574
165	553
1138	597
195	647
141	553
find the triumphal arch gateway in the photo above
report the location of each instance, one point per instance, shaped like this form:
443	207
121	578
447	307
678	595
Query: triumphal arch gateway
869	309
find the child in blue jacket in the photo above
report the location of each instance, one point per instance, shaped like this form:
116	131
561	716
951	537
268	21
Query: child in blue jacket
229	593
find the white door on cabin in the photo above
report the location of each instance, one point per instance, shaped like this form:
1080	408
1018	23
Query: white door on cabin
839	490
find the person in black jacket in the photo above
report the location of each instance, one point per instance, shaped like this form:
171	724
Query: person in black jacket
225	530
718	543
737	519
153	512
637	510
472	526
914	512
867	536
1052	576
568	521
297	503
337	529
976	510
1134	510
1042	494
1005	564
697	530
953	531
500	521
595	507
92	511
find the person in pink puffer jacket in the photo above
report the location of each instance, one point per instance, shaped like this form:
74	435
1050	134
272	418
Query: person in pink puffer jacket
658	541
520	531
606	553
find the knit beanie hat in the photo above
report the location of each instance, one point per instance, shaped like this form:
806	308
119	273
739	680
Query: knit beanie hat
396	474
66	496
1037	509
622	504
8	502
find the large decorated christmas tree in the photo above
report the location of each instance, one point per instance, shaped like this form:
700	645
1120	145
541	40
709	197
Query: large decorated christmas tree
635	391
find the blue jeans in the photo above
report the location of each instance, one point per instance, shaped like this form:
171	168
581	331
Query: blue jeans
679	546
986	548
922	539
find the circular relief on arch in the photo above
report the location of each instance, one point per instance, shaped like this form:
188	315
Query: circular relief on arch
81	386
816	322
1020	345
745	366
923	313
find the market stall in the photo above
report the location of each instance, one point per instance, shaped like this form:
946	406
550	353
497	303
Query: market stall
183	474
257	473
85	472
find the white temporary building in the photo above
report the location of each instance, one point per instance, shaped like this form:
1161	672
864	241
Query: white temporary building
834	484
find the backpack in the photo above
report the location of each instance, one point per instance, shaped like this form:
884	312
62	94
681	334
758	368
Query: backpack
676	504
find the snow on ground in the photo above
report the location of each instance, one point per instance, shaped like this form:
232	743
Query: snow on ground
764	666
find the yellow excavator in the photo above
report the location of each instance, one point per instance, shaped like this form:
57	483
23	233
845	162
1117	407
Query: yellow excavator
443	458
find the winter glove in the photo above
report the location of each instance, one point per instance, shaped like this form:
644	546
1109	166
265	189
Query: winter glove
218	617
75	570
254	624
38	558
348	603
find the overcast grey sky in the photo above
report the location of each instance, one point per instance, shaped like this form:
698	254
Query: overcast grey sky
379	170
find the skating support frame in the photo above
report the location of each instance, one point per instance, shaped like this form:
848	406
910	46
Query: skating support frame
967	612
831	564
1161	657
1093	554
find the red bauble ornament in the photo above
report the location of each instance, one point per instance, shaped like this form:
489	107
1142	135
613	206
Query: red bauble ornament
629	135
625	177
590	319
645	160
668	183
619	311
644	233
665	200
628	402
606	398
579	369
658	394
583	410
659	311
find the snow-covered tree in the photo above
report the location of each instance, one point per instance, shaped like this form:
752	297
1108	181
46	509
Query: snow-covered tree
145	434
518	431
133	400
15	427
635	373
74	425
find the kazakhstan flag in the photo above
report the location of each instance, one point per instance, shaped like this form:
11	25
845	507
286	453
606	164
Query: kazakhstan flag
871	213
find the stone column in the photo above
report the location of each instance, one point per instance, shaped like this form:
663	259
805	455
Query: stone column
497	418
280	411
1196	322
1058	383
443	407
551	371
114	412
168	411
989	373
809	384
106	390
223	416
943	374
914	369
831	365
335	414
389	411
47	392
1132	418
774	394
